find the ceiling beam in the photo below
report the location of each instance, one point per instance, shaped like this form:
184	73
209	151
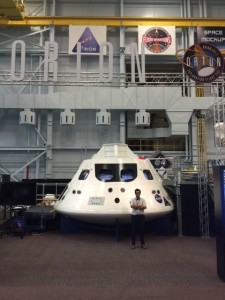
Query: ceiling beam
113	21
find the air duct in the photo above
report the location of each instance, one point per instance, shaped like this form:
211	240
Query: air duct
103	117
27	117
142	118
67	117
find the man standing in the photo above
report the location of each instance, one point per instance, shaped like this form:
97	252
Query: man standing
138	206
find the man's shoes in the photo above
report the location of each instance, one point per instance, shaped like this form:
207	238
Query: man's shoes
132	247
143	246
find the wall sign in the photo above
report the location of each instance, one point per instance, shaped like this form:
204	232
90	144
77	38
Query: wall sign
203	63
90	38
213	35
157	40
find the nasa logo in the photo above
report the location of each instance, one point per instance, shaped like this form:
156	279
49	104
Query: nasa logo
203	63
157	39
158	198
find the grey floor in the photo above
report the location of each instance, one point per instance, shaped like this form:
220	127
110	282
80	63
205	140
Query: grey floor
95	266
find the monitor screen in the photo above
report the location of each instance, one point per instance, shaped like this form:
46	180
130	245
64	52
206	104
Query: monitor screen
17	193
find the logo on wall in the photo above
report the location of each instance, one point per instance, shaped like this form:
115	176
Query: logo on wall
88	43
90	38
202	62
157	40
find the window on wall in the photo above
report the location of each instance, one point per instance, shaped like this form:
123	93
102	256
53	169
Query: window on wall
176	143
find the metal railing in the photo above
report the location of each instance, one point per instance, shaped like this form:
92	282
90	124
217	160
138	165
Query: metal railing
49	188
94	79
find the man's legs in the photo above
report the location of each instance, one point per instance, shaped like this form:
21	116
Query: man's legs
133	229
142	229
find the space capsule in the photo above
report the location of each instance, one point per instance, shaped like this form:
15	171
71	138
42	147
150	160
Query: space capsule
101	190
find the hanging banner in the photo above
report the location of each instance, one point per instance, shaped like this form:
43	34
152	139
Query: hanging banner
212	35
90	38
157	40
203	63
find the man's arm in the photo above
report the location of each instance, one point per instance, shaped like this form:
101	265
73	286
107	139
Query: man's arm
135	206
143	206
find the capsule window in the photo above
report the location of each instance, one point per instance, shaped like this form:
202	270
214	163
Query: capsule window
148	174
166	202
105	175
116	172
84	174
127	175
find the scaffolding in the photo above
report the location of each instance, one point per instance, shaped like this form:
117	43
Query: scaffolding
202	176
219	128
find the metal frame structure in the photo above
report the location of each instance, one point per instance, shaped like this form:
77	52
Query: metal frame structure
92	79
202	177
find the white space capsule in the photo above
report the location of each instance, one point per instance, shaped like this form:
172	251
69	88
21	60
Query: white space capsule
101	190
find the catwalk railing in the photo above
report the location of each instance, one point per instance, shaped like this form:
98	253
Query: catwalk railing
97	79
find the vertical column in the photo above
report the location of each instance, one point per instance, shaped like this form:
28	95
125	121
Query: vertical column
191	42
122	47
122	56
194	140
178	203
38	144
49	145
205	8
51	54
50	121
122	127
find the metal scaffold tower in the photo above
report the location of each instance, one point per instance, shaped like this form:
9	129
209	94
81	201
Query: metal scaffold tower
217	111
219	127
202	176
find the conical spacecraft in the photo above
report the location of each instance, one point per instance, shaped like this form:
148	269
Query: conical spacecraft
101	190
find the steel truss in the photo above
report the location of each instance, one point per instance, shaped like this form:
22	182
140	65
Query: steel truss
93	79
202	177
217	111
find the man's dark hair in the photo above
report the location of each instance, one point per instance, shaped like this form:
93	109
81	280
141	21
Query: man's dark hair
137	190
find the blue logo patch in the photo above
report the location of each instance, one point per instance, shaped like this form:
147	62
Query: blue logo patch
158	198
88	43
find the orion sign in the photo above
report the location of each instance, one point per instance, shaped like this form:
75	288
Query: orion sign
202	63
50	62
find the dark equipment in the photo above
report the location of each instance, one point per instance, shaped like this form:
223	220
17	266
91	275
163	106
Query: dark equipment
219	199
17	193
16	224
40	218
